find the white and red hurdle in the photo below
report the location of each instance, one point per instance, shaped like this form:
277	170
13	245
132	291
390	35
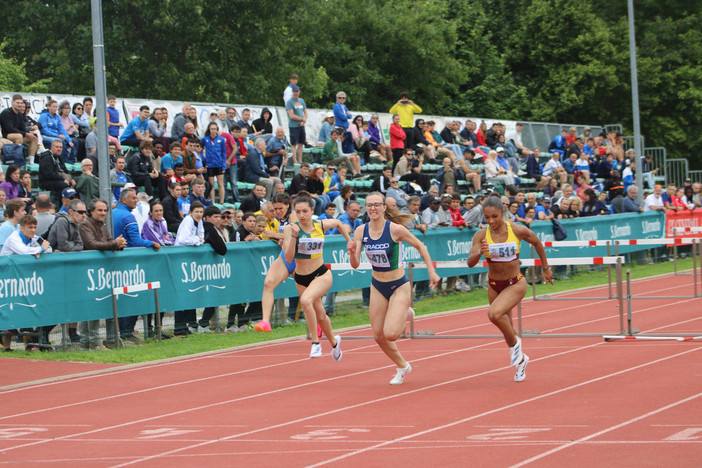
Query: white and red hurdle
136	288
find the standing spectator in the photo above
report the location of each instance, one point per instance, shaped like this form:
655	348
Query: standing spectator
141	211
24	239
141	168
198	193
630	204
341	112
95	236
14	211
406	109
216	151
64	235
288	93
214	236
113	123
397	139
245	231
297	118
13	127
45	217
87	185
231	119
170	207
118	176
190	232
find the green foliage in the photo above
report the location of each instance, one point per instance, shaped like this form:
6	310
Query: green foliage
549	60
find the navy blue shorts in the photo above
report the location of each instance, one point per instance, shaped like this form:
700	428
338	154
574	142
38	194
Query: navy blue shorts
387	289
297	135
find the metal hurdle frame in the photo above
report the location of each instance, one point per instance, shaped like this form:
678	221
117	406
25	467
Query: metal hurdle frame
677	239
154	286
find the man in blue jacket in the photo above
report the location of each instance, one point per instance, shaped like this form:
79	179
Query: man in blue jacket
52	129
341	112
125	224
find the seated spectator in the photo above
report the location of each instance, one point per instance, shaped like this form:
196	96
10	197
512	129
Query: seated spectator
158	127
559	142
332	182
276	154
575	147
53	175
382	181
515	138
697	194
649	172
141	169
141	211
326	130
168	161
435	216
434	139
467	204
263	125
576	204
14	211
345	197
533	170
493	170
329	213
349	219
198	193
88	185
255	170
330	155
592	205
360	142
52	130
12	123
189	133
688	197
545	214
455	212
654	202
377	140
315	186
170	208
413	209
298	183
118	176
254	201
678	200
631	205
554	168
12	183
64	113
582	165
629	175
581	184
179	121
448	175
408	168
426	199
396	193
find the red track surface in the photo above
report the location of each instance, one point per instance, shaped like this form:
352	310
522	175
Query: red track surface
584	402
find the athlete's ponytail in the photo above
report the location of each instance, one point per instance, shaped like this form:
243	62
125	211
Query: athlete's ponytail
392	214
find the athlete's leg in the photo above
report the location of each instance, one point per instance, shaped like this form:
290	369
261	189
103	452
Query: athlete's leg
308	296
377	312
277	273
398	305
323	320
500	309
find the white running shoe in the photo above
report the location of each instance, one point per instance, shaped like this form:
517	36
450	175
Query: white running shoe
316	350
203	330
336	350
400	375
521	369
515	353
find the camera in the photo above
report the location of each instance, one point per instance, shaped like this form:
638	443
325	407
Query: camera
404	101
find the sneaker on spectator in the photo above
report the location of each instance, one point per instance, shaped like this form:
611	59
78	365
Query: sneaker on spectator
201	329
515	353
336	350
109	344
131	338
98	348
183	332
521	369
192	329
316	350
400	374
245	327
232	329
262	326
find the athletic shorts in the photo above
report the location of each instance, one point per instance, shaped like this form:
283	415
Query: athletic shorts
501	285
214	171
388	288
297	135
306	280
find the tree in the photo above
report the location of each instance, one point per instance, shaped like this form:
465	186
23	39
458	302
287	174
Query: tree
14	78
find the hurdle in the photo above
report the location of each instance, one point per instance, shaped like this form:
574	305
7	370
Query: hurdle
135	288
676	230
429	334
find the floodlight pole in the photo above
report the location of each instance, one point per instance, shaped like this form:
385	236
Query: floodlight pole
101	109
638	150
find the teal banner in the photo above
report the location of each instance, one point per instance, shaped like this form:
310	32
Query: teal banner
73	287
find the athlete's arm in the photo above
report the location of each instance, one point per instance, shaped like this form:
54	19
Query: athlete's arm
355	247
289	236
400	233
335	223
477	249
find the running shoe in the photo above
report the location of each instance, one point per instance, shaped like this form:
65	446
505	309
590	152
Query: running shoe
336	350
316	350
515	353
262	326
521	369
201	329
319	332
400	375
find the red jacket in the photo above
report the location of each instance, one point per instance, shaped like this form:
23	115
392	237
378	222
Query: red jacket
397	137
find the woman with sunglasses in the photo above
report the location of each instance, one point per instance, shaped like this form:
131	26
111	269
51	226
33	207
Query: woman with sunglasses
391	292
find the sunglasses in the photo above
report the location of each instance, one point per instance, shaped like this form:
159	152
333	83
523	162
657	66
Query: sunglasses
81	211
79	108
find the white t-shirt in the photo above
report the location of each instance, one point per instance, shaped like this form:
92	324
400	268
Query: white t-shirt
652	200
551	166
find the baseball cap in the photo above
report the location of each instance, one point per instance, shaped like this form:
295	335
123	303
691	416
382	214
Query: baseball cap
500	149
69	193
129	185
328	115
434	200
295	88
546	199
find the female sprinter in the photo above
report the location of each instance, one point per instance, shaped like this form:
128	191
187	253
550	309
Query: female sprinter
499	242
391	293
304	242
280	269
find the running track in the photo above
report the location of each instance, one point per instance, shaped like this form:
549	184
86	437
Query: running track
584	402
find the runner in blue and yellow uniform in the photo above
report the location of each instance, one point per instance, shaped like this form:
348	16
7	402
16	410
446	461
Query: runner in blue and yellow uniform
499	242
391	292
280	269
304	242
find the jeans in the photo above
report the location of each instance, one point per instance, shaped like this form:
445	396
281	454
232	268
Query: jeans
321	202
230	175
